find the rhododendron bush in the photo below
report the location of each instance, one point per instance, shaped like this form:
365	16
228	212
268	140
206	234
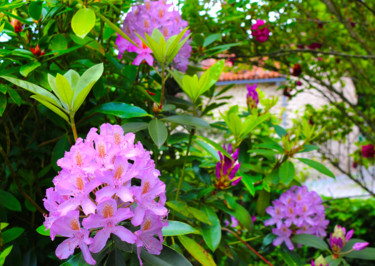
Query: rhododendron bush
111	153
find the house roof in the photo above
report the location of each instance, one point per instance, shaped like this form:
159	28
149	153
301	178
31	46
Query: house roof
255	73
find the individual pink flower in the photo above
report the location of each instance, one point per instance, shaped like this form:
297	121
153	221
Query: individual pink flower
260	31
144	54
283	234
360	245
107	219
368	151
69	226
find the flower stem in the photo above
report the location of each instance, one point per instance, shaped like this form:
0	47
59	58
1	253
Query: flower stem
247	245
184	165
163	80
73	125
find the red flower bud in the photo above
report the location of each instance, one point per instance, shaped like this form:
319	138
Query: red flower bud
17	25
36	51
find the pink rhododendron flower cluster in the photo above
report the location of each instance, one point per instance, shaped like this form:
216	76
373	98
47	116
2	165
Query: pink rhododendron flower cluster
368	151
297	211
106	183
144	19
260	31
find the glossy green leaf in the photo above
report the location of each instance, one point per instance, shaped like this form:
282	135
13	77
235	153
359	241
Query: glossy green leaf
240	213
215	145
187	120
42	230
176	228
286	172
83	21
64	90
5	254
3	103
211	233
9	201
188	211
197	251
310	241
248	184
13	94
158	132
134	126
25	70
365	254
167	257
12	234
122	110
208	148
44	100
35	9
317	166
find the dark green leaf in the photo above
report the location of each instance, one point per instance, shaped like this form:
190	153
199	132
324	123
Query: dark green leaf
167	257
35	9
310	241
3	103
12	234
122	110
240	213
26	69
307	148
158	132
134	126
279	131
211	38
58	151
286	172
176	228
263	202
365	254
15	96
211	233
290	257
187	120
9	201
317	166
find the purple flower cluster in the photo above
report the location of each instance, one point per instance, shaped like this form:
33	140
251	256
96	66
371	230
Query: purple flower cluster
252	97
227	168
144	19
340	237
260	31
297	211
106	182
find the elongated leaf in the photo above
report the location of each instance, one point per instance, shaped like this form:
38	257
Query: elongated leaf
176	228
3	103
210	77
211	233
248	184
158	132
197	251
12	234
310	241
15	96
240	213
211	38
42	230
4	254
43	100
215	145
307	148
25	70
317	166
64	90
134	126
187	120
365	254
83	21
209	149
290	257
9	201
33	88
167	257
35	9
286	172
121	110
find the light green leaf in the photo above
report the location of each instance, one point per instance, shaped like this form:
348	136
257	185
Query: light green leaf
9	201
83	21
176	228
64	90
122	110
248	184
310	241
25	70
197	251
317	166
158	132
216	146
211	233
187	120
3	226
286	172
42	230
45	101
210	77
73	77
4	254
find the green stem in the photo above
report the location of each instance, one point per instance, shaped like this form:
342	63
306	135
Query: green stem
163	80
73	125
184	165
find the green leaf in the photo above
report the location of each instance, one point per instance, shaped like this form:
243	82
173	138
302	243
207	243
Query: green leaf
317	166
59	42
188	211
45	101
176	228
64	90
42	230
12	234
210	77
280	131
35	9
85	83
307	148
211	38
15	96
4	254
25	70
58	151
286	172
122	110
9	201
208	148
187	120
134	126
3	103
240	213
248	184
216	146
263	202
167	257
211	233
290	257
197	251
83	21
365	254
3	226
158	132
310	241
33	88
